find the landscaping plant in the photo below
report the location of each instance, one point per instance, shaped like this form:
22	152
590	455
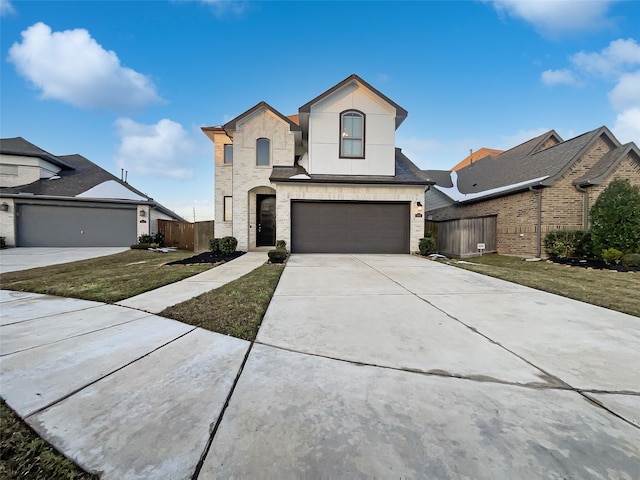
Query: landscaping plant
281	244
560	243
214	245
277	255
615	218
228	245
611	255
427	245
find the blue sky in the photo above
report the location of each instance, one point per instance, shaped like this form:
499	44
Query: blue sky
129	84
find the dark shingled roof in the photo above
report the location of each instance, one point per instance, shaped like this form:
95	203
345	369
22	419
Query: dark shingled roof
441	177
19	146
407	173
526	163
601	170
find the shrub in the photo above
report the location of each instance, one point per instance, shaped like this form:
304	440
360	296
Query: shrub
427	245
3	242
228	245
214	245
582	246
281	245
630	260
560	243
158	238
610	255
140	246
278	255
615	218
145	239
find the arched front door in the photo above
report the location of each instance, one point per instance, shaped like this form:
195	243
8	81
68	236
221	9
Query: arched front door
266	220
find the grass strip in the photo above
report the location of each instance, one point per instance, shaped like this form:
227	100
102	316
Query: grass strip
23	454
605	288
236	308
106	279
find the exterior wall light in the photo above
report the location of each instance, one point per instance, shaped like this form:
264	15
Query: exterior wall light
419	204
4	207
143	213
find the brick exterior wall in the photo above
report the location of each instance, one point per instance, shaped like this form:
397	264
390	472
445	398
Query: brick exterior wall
563	206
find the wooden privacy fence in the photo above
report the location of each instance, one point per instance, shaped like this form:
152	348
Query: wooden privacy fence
186	235
460	237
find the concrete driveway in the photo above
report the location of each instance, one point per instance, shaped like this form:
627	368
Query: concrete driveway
365	366
24	258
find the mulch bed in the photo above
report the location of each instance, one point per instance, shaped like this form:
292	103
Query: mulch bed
208	257
595	264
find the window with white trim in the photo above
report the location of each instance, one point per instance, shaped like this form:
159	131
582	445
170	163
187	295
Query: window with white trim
263	146
352	134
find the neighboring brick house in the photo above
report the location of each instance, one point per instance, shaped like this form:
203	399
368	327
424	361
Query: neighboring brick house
329	179
541	185
69	201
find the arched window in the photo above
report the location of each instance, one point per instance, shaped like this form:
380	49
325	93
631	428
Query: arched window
262	152
352	134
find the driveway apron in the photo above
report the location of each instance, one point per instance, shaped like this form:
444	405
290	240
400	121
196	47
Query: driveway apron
397	366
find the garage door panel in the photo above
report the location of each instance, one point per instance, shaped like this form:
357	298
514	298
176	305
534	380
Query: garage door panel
349	227
65	226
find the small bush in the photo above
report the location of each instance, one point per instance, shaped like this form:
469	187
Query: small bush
582	246
158	238
214	245
611	255
154	245
228	245
3	242
560	243
630	260
140	246
145	239
427	245
278	255
281	245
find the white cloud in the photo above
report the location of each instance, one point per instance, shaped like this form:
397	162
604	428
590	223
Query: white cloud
620	56
559	77
553	18
71	66
160	150
626	93
6	8
627	126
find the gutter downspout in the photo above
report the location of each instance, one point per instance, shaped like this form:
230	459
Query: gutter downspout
585	206
538	221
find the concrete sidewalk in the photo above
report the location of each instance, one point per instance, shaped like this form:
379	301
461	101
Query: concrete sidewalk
24	258
157	300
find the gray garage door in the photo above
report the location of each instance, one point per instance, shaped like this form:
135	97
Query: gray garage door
65	226
349	227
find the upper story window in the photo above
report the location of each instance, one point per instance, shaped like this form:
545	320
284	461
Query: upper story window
228	154
263	152
352	134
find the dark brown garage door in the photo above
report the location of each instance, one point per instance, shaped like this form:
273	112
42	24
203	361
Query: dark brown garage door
349	227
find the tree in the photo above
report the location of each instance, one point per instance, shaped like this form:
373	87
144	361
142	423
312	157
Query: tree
615	218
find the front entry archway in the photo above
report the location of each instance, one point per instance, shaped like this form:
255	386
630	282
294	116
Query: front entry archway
265	220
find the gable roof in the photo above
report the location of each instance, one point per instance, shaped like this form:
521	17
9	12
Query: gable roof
603	168
20	147
231	125
406	173
401	113
532	163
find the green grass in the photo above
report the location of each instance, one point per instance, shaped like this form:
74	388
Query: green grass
236	308
105	279
23	454
605	288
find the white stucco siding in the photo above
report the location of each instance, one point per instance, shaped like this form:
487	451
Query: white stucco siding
324	134
8	222
16	170
286	192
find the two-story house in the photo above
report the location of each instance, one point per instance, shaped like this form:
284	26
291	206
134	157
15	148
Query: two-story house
68	201
327	180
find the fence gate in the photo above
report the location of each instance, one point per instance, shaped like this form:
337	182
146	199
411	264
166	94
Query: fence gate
460	237
186	235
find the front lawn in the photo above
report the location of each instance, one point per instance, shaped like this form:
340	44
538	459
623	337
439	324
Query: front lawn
605	288
105	279
236	308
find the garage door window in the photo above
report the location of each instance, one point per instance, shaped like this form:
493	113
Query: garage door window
352	134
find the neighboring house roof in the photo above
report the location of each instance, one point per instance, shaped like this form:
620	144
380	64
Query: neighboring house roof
406	173
401	113
532	163
475	156
82	179
20	147
603	168
231	125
